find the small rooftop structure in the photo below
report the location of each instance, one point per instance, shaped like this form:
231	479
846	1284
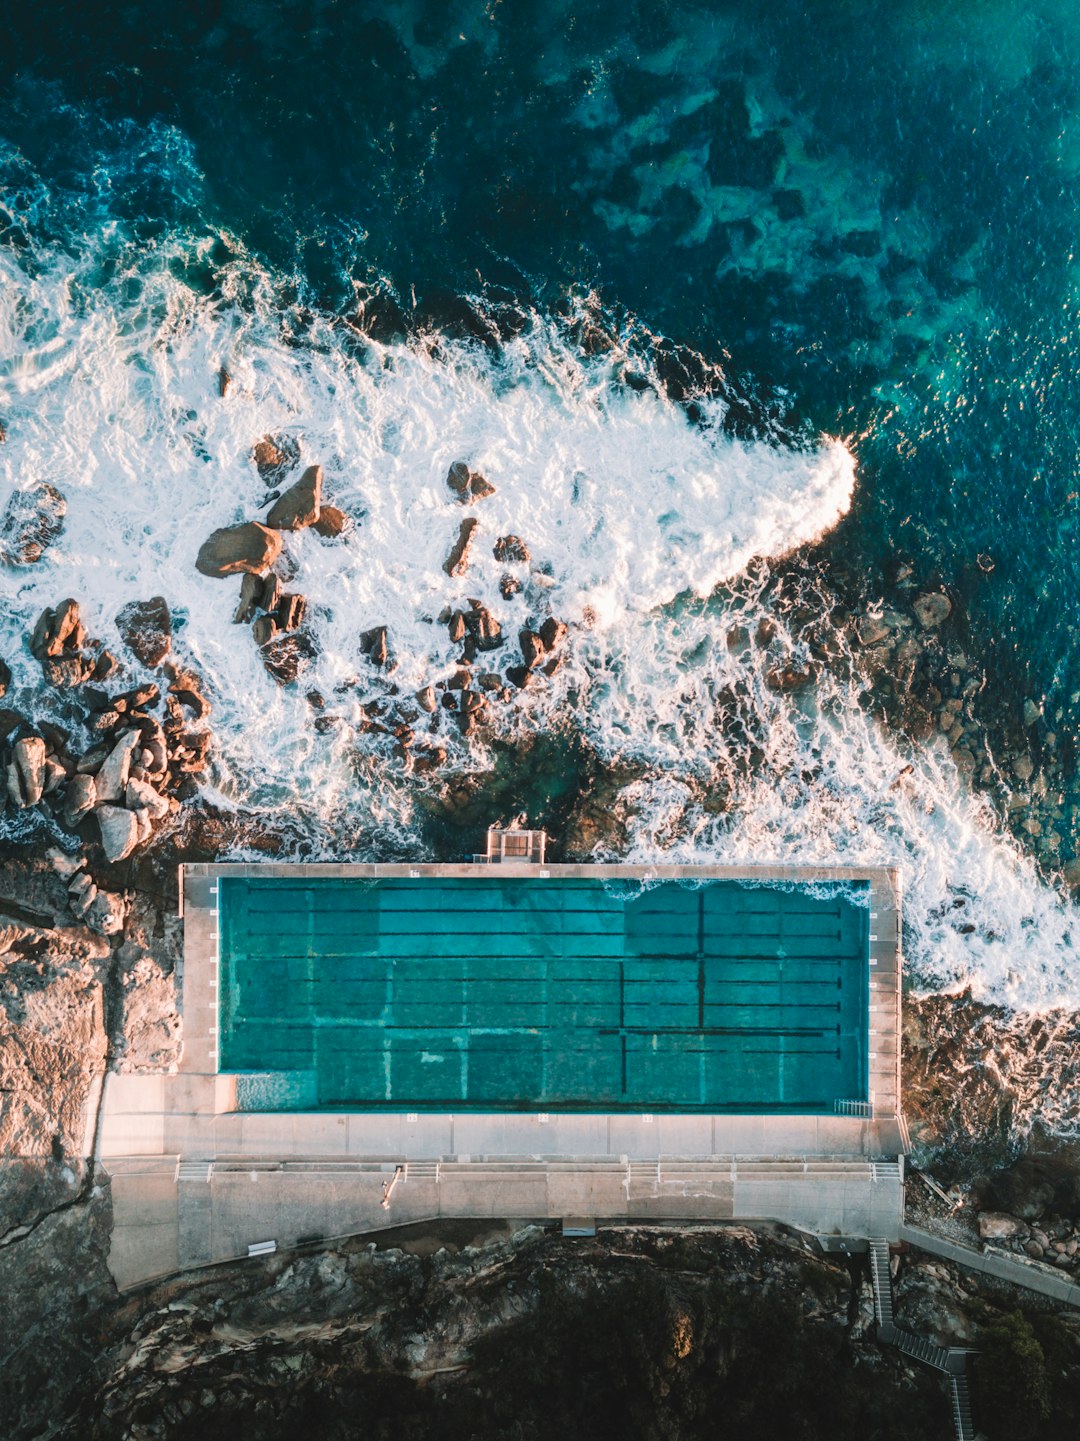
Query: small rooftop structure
514	844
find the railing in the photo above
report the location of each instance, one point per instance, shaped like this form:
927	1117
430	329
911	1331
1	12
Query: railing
854	1108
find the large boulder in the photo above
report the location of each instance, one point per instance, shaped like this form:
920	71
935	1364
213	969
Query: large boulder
288	656
236	549
112	778
120	831
141	796
457	562
931	609
997	1226
26	772
79	798
332	522
31	520
146	627
299	506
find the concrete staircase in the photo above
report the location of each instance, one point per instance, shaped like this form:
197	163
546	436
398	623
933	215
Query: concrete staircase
950	1360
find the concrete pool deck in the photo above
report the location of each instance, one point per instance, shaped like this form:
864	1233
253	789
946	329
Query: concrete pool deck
196	1180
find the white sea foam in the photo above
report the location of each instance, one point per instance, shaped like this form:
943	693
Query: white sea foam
632	516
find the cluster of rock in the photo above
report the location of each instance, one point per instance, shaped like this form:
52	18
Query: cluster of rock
30	521
464	698
926	685
144	750
252	549
1053	1239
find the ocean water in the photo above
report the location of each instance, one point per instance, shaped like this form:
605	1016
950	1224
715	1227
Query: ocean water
693	286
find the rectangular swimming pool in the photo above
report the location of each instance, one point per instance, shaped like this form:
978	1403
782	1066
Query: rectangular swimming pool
498	993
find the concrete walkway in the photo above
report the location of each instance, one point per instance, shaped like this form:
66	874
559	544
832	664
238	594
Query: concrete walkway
993	1262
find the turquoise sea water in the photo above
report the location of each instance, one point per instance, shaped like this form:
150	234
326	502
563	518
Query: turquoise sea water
555	994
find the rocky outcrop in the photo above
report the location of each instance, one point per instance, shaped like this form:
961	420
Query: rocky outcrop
932	608
375	644
26	772
457	562
29	523
300	505
59	641
236	549
467	485
511	550
146	629
120	831
289	656
274	457
331	523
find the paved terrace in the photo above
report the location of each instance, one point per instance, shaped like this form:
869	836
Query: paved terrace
197	1178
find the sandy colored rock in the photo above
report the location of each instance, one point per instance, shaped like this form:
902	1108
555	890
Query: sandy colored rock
234	549
26	772
457	562
332	522
141	796
112	778
79	798
119	831
299	506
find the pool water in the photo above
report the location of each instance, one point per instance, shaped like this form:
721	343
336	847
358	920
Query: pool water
495	993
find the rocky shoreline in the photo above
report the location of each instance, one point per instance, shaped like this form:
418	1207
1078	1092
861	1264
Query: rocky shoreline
102	797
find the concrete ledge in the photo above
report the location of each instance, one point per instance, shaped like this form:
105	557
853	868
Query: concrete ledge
995	1263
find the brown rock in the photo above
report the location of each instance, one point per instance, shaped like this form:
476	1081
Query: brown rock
287	657
5	678
146	628
264	629
785	678
456	627
429	759
425	699
997	1226
532	648
80	797
375	644
332	522
186	686
511	550
58	631
251	593
457	562
238	548
26	772
457	480
274	457
509	586
224	380
290	611
479	488
299	506
484	628
271	592
29	523
552	632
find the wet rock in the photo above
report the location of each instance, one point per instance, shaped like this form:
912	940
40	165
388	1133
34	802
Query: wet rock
532	648
79	798
5	678
186	686
264	629
332	522
26	772
483	627
997	1226
786	678
224	382
234	549
58	630
146	628
872	629
31	520
274	457
299	506
119	831
931	608
290	611
288	656
375	644
112	778
251	594
457	562
509	586
105	666
552	633
1032	712
271	592
1034	1249
1023	768
479	487
426	699
511	550
457	480
456	627
55	775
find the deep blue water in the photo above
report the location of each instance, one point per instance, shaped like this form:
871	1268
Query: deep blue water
867	213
